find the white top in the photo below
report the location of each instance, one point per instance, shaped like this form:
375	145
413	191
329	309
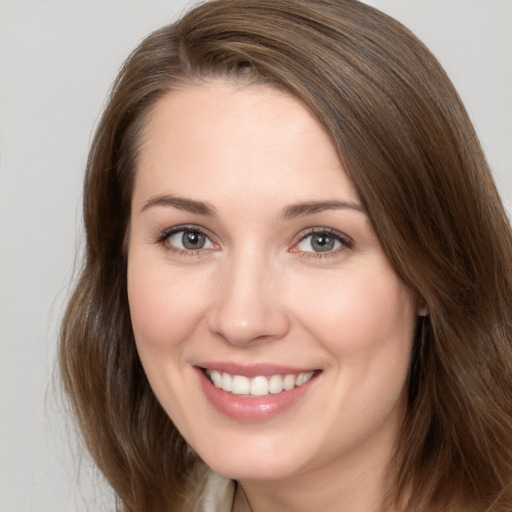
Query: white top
218	494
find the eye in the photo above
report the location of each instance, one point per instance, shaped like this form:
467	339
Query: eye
188	239
322	241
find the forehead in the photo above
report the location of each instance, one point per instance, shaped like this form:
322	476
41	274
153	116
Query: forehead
219	138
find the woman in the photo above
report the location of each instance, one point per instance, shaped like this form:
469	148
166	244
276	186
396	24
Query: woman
297	286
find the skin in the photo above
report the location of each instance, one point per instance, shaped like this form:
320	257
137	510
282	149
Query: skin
258	292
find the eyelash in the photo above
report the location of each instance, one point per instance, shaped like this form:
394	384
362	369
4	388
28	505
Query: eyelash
344	241
164	235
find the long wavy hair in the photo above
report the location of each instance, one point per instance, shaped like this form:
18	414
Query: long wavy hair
411	152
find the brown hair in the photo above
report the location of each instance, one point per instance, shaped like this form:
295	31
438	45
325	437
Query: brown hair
410	149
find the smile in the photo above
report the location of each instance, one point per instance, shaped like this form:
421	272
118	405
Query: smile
257	392
257	386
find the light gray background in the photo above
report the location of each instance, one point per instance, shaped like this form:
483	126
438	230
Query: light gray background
57	61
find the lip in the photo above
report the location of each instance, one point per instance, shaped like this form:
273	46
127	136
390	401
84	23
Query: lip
252	409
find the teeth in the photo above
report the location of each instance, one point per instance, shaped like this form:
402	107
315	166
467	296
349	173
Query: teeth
227	382
257	386
275	384
216	378
241	385
289	382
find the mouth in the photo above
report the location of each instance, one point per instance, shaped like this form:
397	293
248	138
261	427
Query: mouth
255	393
259	385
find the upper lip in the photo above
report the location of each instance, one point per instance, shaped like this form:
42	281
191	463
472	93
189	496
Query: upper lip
253	370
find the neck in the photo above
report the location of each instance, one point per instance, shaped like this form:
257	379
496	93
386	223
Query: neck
241	502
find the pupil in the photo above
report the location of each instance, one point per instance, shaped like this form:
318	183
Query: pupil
193	240
322	243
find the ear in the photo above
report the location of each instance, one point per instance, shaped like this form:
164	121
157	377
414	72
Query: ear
422	308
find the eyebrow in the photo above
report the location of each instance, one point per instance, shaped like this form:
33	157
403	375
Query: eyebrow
292	211
181	203
312	207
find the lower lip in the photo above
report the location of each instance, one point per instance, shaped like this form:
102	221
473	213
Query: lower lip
251	410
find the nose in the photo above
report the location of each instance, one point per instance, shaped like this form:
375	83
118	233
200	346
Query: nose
247	306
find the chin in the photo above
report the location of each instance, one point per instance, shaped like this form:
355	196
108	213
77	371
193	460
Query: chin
240	467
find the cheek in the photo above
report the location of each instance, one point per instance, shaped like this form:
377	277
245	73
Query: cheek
163	309
359	312
367	326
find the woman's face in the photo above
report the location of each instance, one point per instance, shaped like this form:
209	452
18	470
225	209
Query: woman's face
253	264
